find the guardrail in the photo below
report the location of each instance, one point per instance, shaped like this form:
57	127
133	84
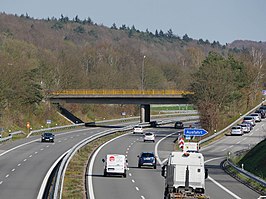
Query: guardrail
232	124
54	128
247	174
69	155
5	139
119	92
63	166
11	136
98	122
16	133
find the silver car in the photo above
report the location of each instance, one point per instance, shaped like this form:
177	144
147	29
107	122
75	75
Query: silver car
257	117
249	119
245	127
236	130
149	137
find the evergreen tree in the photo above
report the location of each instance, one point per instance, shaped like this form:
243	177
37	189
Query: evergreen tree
114	26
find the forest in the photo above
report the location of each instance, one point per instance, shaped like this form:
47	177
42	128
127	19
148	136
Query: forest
42	55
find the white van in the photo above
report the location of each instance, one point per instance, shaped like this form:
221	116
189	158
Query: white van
115	164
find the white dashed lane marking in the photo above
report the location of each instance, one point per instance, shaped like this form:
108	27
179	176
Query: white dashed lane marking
1	182
35	152
133	181
142	197
24	160
130	174
41	149
30	156
13	170
7	175
19	165
137	188
224	149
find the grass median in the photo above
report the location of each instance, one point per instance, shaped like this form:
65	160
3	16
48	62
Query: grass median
74	181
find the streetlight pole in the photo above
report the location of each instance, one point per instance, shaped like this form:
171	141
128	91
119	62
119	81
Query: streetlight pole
142	73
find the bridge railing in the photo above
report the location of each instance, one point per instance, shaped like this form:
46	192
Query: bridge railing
118	92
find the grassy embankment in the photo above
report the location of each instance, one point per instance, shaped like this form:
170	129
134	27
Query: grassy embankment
253	161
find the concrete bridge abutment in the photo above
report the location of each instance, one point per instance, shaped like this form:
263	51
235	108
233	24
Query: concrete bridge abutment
145	110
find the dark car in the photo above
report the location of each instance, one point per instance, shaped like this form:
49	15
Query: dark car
262	112
179	125
47	137
147	159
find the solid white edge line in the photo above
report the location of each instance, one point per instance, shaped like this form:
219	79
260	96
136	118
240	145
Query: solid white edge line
218	184
12	149
18	147
45	180
91	163
225	189
156	149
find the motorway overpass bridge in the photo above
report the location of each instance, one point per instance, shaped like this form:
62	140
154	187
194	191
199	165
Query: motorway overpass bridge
142	97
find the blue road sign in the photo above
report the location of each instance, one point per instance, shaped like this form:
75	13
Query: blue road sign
194	132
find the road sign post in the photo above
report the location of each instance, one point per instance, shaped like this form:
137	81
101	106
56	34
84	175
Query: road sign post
48	122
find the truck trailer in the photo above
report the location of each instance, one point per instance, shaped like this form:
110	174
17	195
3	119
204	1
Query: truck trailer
185	176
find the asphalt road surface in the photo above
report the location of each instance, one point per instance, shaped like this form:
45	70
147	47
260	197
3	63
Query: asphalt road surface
147	183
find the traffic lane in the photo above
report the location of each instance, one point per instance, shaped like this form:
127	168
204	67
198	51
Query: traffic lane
31	163
141	183
147	180
234	143
218	151
230	184
215	192
111	186
167	143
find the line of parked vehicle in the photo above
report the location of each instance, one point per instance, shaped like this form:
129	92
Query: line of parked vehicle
249	121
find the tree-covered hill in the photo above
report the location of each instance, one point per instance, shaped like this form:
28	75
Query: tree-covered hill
41	55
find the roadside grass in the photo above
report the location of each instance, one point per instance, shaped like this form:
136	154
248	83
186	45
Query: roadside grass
243	179
74	181
255	160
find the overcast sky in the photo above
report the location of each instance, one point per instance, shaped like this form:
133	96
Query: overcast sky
219	20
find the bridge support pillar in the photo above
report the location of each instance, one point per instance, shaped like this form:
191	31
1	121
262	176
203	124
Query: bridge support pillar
145	113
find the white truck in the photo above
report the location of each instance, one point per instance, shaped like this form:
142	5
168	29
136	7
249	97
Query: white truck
115	164
185	176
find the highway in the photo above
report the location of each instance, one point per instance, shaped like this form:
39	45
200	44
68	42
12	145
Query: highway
24	163
147	183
